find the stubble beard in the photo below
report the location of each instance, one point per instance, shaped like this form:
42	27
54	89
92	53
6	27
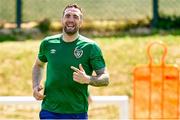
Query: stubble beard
71	32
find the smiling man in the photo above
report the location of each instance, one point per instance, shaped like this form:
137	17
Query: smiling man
71	59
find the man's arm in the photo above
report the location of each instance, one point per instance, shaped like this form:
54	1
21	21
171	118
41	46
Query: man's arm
101	79
37	73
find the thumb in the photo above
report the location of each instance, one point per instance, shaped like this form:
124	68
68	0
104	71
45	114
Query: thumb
81	68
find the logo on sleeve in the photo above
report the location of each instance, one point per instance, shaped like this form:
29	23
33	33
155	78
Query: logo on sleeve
78	52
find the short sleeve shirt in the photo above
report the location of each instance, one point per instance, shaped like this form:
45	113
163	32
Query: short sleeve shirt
63	94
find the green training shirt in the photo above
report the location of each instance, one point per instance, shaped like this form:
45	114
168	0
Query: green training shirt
63	94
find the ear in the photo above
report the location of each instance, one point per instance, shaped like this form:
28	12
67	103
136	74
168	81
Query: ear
81	21
61	20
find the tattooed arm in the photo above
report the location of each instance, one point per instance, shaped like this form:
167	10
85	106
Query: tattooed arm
36	78
101	78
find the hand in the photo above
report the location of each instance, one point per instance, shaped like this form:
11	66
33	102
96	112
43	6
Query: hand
89	100
36	93
79	75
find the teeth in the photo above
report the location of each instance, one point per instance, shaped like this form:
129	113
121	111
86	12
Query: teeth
70	25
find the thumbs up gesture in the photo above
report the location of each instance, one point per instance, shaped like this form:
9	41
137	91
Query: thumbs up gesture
79	75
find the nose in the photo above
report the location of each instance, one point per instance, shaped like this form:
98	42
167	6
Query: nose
71	19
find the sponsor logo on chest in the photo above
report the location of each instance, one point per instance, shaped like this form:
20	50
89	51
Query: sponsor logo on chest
52	51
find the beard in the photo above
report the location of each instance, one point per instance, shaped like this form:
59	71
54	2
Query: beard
71	31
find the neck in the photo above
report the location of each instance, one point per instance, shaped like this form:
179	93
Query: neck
70	38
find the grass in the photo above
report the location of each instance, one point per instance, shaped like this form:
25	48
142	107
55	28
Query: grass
93	10
122	54
34	10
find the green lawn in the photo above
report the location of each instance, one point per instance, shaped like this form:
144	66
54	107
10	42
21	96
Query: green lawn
35	10
122	54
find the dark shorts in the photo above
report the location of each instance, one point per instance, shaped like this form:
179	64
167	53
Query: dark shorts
44	114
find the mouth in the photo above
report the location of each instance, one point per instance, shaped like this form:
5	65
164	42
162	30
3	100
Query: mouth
70	26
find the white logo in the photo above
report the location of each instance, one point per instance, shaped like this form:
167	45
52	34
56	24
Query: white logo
52	51
78	52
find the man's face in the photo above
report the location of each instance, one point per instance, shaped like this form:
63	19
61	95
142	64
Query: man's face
71	20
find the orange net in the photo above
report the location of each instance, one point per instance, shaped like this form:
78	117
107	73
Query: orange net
156	89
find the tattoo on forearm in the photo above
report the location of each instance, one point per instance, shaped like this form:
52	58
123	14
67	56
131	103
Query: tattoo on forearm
102	78
37	75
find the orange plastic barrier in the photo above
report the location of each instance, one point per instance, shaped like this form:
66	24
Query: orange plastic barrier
156	89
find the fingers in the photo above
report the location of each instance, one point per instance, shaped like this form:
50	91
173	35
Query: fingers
40	88
36	93
76	69
38	96
79	75
81	68
74	75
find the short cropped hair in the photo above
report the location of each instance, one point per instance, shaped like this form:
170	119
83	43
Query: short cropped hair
72	6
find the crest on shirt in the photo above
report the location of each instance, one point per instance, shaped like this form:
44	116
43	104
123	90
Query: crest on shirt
78	52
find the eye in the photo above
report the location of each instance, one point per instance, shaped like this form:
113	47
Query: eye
67	16
76	17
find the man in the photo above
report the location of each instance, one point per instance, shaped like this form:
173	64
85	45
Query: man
71	58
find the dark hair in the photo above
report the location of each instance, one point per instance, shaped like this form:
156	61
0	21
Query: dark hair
72	6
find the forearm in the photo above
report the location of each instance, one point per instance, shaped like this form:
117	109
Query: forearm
37	75
100	80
